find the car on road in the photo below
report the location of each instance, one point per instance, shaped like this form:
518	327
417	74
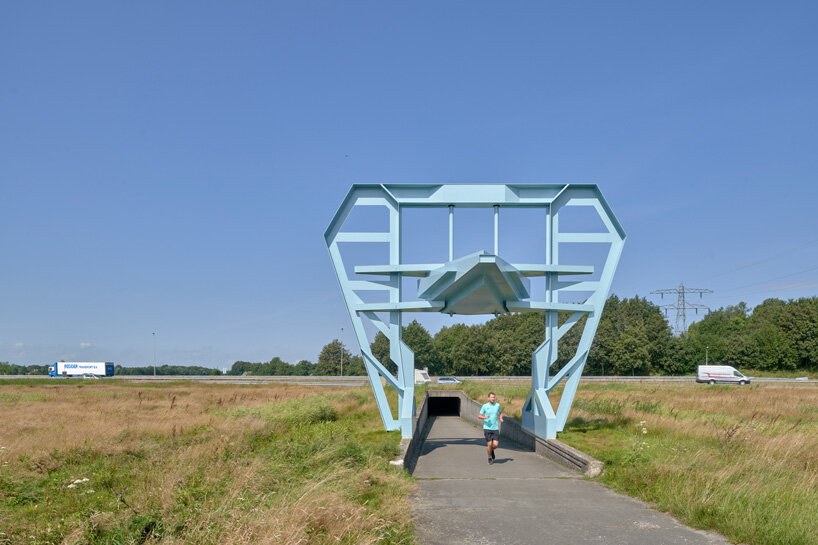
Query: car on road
724	374
448	380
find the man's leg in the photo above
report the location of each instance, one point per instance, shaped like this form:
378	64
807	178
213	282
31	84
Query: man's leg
494	445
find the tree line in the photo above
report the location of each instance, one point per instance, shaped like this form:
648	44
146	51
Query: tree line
14	369
7	368
166	370
776	335
633	338
333	356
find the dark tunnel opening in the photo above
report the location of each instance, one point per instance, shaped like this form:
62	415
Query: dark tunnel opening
444	406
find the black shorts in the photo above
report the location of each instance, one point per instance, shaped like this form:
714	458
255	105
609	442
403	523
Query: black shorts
492	435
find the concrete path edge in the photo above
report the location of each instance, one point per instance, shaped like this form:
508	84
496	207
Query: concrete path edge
511	429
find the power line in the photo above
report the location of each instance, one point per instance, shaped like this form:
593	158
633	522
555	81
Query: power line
804	285
772	279
750	289
682	306
765	259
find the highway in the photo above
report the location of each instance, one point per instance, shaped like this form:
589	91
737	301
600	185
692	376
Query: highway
362	381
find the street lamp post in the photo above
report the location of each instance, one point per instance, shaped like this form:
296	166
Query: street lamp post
342	352
154	353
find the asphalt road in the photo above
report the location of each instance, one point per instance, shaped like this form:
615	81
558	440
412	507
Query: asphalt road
360	381
228	379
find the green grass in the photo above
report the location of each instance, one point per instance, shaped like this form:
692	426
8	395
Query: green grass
313	469
710	484
26	381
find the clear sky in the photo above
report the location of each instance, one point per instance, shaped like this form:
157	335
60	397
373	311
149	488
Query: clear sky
171	166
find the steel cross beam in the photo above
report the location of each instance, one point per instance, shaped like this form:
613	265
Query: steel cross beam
480	283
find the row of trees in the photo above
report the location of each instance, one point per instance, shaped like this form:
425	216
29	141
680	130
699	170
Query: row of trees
333	356
14	369
633	337
177	370
776	335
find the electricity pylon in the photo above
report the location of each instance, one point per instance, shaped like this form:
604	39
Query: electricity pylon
682	306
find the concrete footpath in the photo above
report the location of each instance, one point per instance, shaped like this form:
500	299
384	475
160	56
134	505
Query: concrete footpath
524	498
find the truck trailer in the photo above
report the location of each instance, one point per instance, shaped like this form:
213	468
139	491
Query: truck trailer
81	368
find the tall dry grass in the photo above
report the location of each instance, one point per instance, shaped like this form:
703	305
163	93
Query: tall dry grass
740	460
116	416
196	463
776	426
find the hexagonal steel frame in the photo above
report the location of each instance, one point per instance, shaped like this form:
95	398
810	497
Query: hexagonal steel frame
539	416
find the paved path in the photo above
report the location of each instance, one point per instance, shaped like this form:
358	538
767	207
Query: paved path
524	499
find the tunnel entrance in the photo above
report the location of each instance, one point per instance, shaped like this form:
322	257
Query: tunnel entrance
444	406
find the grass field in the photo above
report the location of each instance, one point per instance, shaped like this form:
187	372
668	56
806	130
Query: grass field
109	462
742	460
114	462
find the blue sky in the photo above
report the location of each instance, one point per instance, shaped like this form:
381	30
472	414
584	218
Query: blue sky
171	167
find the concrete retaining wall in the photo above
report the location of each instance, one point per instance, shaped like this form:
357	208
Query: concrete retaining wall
569	456
409	454
511	429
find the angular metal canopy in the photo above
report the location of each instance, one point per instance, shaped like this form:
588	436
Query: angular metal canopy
479	283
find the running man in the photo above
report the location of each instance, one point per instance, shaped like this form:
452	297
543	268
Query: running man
492	416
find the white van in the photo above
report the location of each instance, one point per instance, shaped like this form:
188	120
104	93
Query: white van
712	374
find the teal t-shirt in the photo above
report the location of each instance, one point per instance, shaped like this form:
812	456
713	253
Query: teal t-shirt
493	413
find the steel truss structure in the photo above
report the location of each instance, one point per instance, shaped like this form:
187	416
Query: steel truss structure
682	305
480	283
